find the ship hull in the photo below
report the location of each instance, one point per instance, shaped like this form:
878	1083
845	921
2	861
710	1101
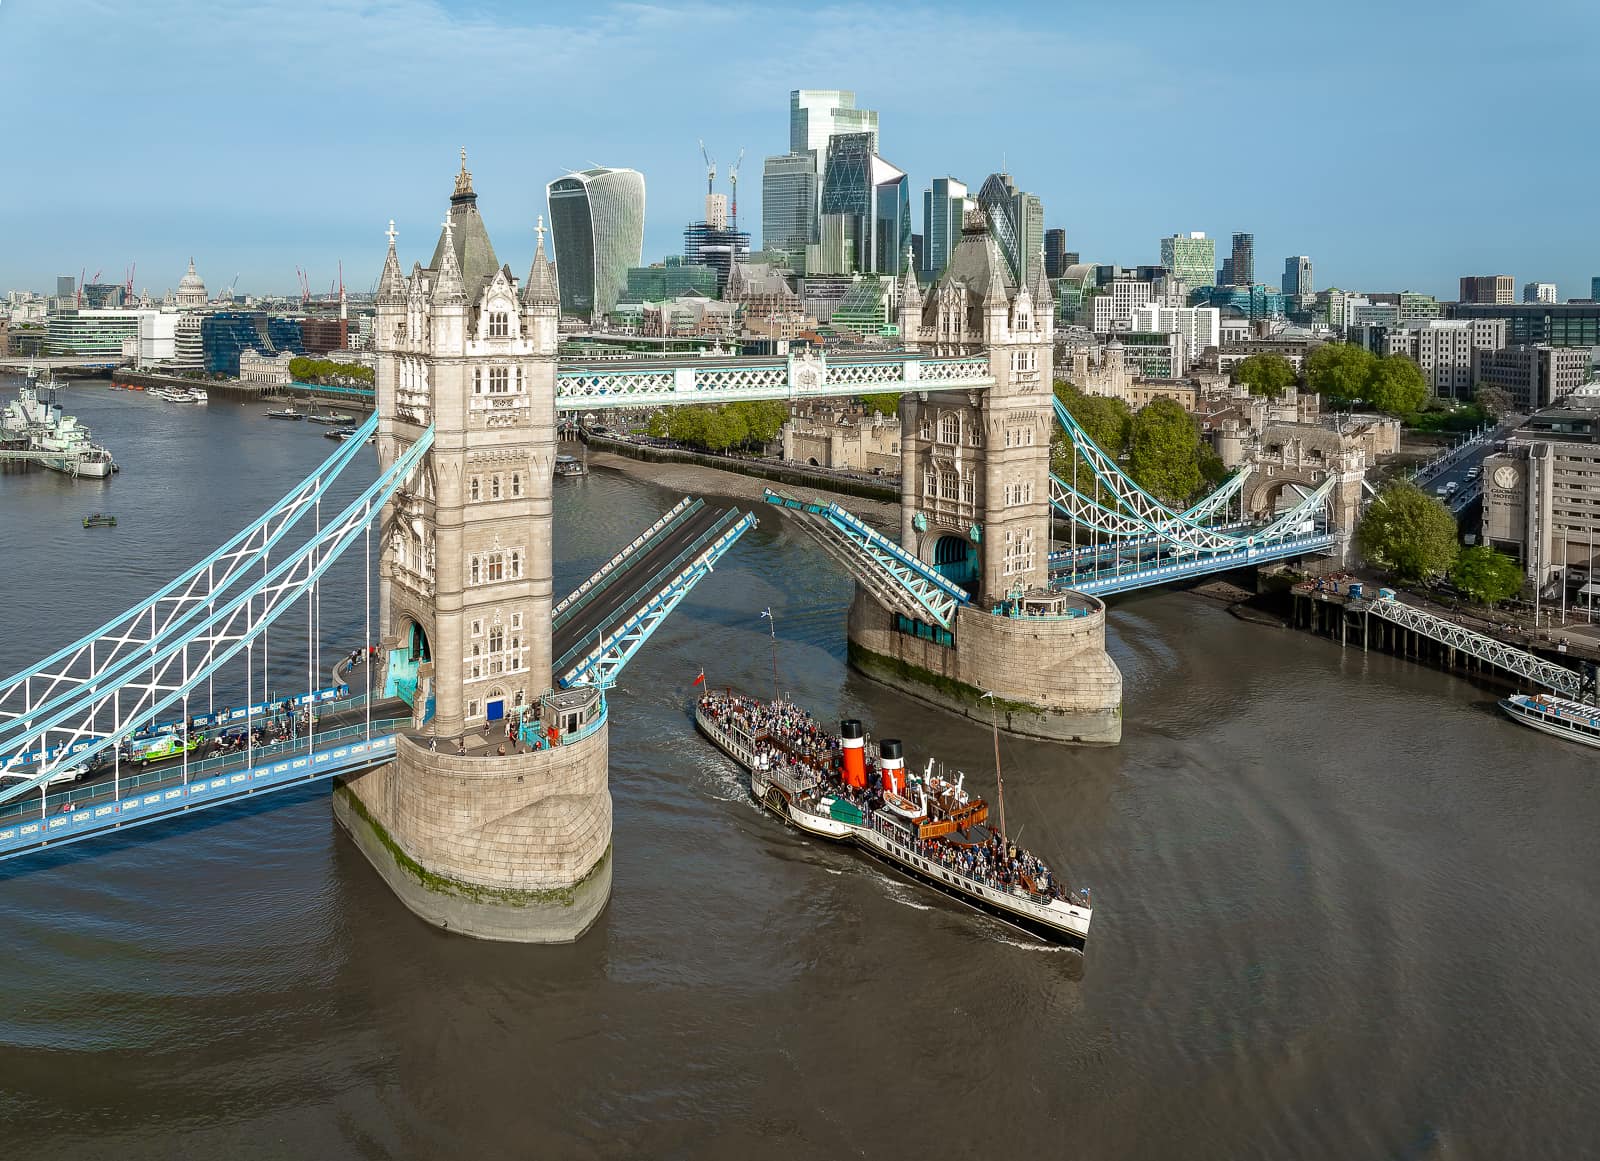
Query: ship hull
1555	727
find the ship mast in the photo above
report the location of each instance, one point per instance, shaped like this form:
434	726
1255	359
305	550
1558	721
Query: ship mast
999	779
772	624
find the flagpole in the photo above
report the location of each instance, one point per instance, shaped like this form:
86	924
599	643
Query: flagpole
772	625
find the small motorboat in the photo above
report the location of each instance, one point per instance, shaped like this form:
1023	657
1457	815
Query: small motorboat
331	419
285	413
341	434
100	520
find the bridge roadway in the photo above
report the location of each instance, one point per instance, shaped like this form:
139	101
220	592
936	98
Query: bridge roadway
621	595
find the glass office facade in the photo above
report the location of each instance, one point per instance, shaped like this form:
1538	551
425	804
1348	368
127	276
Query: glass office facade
224	337
789	206
669	280
1566	324
597	225
944	203
1016	220
1191	257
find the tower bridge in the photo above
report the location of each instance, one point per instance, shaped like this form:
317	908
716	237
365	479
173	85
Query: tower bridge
968	600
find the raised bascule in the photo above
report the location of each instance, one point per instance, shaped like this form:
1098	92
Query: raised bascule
969	608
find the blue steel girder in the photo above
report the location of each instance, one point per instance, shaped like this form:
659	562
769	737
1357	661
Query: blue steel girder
1230	488
603	576
163	677
172	608
616	645
1139	575
893	575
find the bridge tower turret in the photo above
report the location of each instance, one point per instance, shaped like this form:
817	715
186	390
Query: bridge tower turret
509	840
975	503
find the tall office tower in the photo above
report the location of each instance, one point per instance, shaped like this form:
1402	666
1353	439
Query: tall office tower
816	115
1244	260
1297	277
66	286
1055	253
597	220
1488	288
944	203
1016	220
789	207
864	219
1539	292
1191	257
1225	274
1594	289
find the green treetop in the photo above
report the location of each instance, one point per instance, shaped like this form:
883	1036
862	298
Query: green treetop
1265	374
1486	575
1340	371
1396	385
1408	532
1164	451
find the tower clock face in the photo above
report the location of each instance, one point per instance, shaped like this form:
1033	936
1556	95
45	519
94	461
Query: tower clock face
1505	476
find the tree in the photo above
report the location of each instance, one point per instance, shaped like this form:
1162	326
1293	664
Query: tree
1265	374
1494	401
1107	420
1408	532
1396	385
1340	371
1485	575
887	403
1164	451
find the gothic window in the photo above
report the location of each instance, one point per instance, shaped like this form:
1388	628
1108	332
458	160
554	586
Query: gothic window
497	638
516	620
496	569
477	628
516	483
494	487
472	708
925	428
498	328
930	483
474	489
969	490
950	428
475	666
516	564
499	380
949	485
477	381
473	570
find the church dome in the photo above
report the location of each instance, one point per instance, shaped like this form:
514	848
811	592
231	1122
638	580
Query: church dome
191	288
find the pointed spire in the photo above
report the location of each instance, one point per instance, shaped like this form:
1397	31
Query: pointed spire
910	291
449	288
1039	286
391	284
541	288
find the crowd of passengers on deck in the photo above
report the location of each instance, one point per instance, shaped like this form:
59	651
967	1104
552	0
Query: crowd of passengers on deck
995	861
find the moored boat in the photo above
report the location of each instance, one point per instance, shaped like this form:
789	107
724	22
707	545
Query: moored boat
925	827
99	520
1574	720
285	413
331	418
571	466
340	434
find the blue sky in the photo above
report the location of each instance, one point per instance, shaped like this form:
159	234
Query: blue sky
1399	144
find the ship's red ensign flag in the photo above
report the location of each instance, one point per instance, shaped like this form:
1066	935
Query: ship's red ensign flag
699	680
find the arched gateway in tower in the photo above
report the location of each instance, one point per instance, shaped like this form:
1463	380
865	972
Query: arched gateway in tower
494	819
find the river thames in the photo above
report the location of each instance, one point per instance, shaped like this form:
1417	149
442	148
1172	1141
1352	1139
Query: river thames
1343	908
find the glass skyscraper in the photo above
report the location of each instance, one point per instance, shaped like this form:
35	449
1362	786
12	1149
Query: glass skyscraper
816	115
792	184
1191	257
1297	277
865	214
944	203
1016	220
597	225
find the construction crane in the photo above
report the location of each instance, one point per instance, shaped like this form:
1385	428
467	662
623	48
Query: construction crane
127	285
227	295
733	182
305	285
711	168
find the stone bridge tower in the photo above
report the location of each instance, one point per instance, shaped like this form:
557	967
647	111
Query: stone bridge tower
514	845
975	504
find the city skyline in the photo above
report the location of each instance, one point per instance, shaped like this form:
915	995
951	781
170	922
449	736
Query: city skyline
355	141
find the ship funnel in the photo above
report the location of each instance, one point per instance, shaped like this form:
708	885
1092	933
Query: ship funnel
852	754
893	764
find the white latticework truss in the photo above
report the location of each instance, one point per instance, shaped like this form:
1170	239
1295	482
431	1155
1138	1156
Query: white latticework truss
1486	649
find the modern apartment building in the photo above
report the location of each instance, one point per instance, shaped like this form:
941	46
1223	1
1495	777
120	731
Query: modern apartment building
1200	326
1534	376
1191	257
1539	292
597	221
1488	288
1444	349
1114	307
